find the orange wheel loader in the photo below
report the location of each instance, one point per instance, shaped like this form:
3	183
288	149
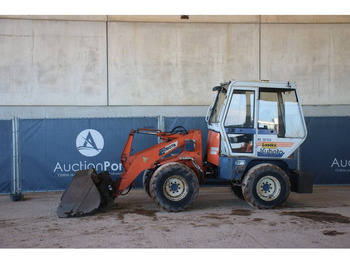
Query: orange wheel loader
255	129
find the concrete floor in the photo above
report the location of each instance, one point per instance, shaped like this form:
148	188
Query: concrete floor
217	219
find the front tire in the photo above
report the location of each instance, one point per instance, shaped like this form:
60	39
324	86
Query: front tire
266	186
147	175
174	187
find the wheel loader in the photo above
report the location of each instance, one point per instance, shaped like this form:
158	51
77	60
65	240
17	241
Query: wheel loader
254	131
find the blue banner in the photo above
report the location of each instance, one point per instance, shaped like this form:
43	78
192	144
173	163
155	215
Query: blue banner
5	156
52	150
326	151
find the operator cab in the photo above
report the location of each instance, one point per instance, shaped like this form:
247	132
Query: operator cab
259	119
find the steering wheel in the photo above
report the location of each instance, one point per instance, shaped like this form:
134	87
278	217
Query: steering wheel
179	130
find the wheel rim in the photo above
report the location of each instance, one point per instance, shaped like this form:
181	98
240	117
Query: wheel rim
268	188
175	188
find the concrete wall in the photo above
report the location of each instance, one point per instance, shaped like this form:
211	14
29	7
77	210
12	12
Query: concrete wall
317	56
84	66
52	62
177	64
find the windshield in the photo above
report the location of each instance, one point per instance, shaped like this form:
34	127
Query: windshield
219	101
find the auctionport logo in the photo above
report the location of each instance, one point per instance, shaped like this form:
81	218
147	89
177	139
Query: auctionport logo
89	142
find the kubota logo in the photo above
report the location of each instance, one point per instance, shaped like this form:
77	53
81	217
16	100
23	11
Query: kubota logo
89	142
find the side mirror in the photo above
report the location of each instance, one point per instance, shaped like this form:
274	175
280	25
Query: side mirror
216	88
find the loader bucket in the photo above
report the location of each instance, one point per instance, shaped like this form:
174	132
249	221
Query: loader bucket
82	197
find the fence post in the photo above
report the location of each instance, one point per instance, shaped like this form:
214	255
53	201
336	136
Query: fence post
16	193
160	125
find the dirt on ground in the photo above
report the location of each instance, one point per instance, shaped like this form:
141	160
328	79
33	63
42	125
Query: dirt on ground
217	219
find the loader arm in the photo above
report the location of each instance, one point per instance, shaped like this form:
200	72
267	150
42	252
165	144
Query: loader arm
191	154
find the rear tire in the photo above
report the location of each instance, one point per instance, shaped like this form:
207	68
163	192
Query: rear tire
266	186
174	187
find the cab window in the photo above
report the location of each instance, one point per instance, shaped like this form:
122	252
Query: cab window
241	110
239	122
280	114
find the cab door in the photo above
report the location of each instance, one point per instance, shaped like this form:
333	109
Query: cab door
238	125
281	126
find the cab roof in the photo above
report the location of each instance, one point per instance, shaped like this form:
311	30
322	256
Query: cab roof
263	83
